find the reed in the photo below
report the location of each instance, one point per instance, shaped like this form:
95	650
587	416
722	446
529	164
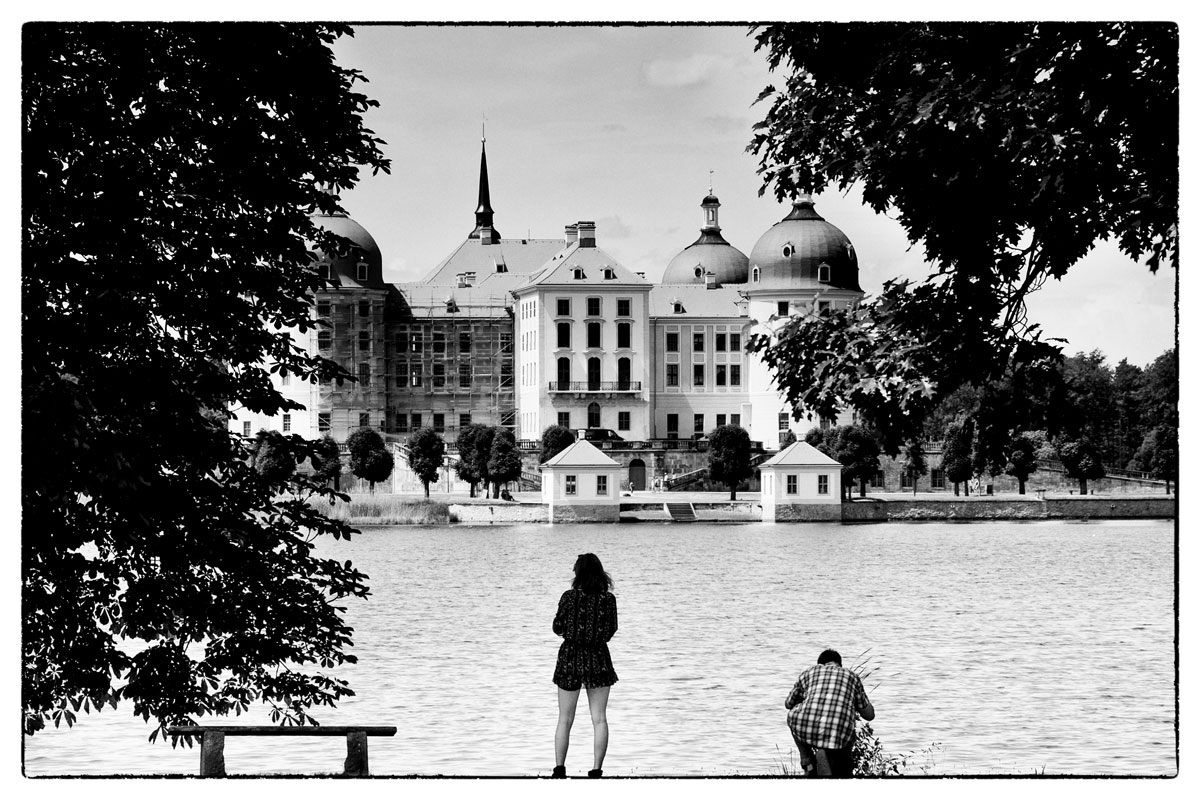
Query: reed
371	509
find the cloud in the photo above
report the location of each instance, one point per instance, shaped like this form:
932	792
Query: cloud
724	124
694	70
613	228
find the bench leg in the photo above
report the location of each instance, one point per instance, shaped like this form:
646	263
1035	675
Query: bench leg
212	754
356	755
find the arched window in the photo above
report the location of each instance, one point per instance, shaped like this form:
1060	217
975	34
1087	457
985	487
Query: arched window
622	373
564	374
593	419
593	374
754	275
823	273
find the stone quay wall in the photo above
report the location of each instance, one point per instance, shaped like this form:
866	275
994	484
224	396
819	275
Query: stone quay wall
1089	507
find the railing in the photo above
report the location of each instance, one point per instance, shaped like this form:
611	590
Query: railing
595	386
686	445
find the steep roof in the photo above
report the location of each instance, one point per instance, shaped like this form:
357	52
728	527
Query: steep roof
696	301
517	256
800	454
560	270
581	454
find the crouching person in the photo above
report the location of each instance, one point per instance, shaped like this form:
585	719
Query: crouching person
822	707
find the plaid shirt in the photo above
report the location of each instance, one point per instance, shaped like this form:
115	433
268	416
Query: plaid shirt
823	704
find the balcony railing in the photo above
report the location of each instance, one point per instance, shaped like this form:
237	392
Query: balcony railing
595	386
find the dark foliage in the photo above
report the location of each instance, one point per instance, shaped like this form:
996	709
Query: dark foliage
273	458
327	460
169	174
1022	459
426	454
504	461
1081	461
729	457
555	439
466	443
1048	137
370	458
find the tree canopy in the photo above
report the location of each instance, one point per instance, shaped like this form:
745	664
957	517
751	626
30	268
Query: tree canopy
327	460
555	439
169	175
426	452
504	461
466	443
729	456
369	456
1006	151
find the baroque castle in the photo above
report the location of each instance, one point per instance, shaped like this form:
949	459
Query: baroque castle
529	333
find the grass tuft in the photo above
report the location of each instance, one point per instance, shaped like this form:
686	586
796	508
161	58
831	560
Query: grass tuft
369	509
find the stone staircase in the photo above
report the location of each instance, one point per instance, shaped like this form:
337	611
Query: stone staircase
680	512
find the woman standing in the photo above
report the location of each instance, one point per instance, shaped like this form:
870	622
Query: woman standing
586	619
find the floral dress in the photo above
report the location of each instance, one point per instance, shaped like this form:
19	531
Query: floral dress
586	622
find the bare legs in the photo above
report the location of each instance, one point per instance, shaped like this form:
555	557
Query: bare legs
566	716
598	706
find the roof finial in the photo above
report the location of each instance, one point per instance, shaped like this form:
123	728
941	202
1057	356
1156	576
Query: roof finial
710	174
483	129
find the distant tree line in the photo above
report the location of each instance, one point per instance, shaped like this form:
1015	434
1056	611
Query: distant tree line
1089	417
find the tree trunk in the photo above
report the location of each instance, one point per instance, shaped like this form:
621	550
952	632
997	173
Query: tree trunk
733	492
472	490
956	488
1083	486
426	484
1020	486
862	487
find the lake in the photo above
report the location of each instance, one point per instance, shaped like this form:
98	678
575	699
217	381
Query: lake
1020	647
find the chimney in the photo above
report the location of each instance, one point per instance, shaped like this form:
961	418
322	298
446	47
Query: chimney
572	233
587	234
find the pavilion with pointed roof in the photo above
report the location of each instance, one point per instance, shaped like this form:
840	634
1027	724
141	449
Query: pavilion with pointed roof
582	484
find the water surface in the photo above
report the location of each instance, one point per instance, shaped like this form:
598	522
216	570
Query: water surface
1020	647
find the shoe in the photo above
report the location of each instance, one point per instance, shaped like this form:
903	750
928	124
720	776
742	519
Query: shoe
595	773
559	772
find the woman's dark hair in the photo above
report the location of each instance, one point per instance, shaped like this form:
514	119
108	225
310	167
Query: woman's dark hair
590	577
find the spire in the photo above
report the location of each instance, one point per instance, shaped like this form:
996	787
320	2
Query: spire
483	213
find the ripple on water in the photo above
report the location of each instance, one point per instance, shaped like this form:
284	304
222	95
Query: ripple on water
1019	647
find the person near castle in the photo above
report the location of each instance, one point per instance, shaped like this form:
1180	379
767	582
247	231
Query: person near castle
821	713
586	619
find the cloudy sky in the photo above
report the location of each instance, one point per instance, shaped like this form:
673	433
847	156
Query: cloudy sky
622	125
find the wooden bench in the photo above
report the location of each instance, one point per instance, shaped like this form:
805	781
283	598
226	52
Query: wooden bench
212	742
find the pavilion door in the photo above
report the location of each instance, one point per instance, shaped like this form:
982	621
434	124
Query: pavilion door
637	474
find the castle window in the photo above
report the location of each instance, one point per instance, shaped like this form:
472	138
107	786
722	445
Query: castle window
720	374
577	274
324	340
451	306
791	484
364	375
601	485
464	376
416	421
788	250
593	334
672	426
323	308
287	423
593	306
822	484
364	420
783	308
735	342
624	335
697	425
697	342
677	307
439	376
623	307
439	423
564	334
698	375
823	273
439	343
564	306
323	421
364	308
402	422
417	345
569	487
622	420
464	343
720	420
754	275
564	419
610	274
672	342
361	273
720	343
735	375
593	415
364	340
672	374
245	429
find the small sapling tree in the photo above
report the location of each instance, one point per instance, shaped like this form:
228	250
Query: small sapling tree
504	462
369	456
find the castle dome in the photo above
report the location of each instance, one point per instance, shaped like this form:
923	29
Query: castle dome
708	255
363	251
803	251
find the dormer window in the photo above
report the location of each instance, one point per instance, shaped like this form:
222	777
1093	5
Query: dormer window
577	274
754	275
699	271
788	249
501	266
451	306
677	307
823	273
361	273
610	274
